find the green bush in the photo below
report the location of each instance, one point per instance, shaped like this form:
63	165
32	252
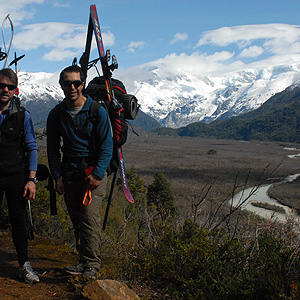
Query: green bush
199	264
56	227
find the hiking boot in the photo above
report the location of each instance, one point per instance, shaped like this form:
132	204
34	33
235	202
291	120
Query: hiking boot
76	269
90	272
27	274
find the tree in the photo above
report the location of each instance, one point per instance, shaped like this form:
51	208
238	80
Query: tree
160	195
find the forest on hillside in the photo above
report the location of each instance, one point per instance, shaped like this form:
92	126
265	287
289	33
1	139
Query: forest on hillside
278	119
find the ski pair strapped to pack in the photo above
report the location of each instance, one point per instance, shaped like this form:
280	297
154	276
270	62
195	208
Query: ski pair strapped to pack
5	54
104	57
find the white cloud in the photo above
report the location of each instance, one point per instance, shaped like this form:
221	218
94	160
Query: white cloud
179	37
62	40
50	35
57	3
220	56
195	64
59	54
248	33
136	45
108	39
253	51
265	45
276	38
18	9
204	64
280	43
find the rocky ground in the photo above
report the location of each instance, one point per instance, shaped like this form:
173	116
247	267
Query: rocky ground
48	260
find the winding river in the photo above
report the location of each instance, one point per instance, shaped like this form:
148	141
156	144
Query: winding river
260	196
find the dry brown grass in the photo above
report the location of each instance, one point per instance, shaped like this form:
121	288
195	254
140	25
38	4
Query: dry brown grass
287	193
192	166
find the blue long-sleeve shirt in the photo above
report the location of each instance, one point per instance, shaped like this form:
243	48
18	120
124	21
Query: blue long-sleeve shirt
79	139
29	138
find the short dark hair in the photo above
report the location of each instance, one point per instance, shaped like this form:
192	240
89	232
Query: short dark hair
70	69
10	74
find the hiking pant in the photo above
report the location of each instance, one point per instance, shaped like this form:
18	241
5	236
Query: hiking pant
13	187
86	219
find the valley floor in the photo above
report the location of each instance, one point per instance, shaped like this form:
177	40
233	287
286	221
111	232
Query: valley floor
193	164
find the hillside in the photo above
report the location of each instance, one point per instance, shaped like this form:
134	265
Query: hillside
144	122
276	120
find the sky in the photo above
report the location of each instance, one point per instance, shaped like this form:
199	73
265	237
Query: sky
202	36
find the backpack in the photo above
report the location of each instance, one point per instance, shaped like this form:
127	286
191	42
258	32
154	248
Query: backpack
42	172
98	92
121	108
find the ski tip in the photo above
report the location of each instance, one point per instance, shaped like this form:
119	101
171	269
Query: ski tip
130	199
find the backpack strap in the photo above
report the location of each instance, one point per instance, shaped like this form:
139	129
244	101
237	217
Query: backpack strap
16	108
94	111
20	113
94	117
56	114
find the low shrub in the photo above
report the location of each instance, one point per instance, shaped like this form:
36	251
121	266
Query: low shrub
194	263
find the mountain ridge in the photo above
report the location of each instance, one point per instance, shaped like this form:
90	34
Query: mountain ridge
178	100
278	119
174	100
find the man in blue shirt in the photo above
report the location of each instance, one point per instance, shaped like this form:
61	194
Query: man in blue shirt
86	148
18	165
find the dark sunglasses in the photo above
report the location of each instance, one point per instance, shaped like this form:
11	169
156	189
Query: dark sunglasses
9	86
68	83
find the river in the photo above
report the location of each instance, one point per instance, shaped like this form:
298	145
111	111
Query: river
261	196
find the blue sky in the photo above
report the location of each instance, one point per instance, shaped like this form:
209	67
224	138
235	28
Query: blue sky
211	36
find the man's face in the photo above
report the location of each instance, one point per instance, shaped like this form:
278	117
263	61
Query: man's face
72	86
7	90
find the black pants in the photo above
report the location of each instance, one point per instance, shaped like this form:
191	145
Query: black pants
13	187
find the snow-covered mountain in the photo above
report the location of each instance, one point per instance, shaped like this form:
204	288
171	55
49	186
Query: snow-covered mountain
176	100
39	93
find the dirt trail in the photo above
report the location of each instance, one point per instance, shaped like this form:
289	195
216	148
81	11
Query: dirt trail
48	259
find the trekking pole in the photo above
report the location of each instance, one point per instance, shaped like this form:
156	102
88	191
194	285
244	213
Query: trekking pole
3	55
17	92
53	207
15	62
30	227
109	200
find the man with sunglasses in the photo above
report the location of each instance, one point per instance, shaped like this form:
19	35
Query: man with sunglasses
85	145
18	165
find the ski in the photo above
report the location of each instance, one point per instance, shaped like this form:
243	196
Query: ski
125	186
7	50
94	26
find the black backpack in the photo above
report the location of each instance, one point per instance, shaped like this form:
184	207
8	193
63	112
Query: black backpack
42	172
98	92
122	107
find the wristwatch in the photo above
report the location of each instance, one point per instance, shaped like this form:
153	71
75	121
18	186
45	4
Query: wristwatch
34	179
